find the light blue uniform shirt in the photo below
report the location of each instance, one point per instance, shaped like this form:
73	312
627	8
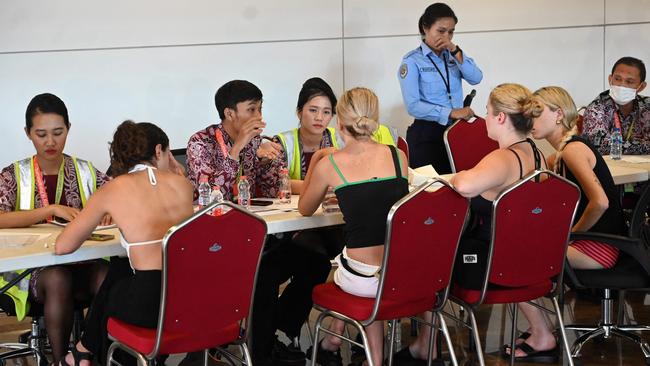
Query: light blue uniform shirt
423	89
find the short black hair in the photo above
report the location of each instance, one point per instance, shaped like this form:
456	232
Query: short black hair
45	103
315	87
434	12
631	61
233	92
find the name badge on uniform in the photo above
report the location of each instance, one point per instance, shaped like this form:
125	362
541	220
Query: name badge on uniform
403	71
470	258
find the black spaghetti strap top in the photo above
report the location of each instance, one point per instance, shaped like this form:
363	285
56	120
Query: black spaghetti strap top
365	204
612	221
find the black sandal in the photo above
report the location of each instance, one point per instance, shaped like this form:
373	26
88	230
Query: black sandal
77	356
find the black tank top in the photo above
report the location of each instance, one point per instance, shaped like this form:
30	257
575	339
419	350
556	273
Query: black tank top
365	204
481	208
611	222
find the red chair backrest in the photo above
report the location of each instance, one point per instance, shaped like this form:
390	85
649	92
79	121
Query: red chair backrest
421	241
531	224
467	143
209	269
403	145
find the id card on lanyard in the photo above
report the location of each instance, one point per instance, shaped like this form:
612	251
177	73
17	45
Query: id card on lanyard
224	150
40	185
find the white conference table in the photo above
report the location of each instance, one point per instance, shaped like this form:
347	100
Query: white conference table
630	169
40	250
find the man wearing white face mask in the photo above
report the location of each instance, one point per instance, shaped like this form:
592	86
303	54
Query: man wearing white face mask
621	107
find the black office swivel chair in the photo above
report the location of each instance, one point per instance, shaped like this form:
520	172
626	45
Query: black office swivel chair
631	272
33	343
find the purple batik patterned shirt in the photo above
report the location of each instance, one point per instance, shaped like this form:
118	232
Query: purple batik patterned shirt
204	157
599	123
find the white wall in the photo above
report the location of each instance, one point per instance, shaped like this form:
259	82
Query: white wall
162	61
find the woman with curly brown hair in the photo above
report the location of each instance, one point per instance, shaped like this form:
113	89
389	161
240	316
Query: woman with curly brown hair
146	198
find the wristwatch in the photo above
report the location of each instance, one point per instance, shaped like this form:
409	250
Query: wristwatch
454	52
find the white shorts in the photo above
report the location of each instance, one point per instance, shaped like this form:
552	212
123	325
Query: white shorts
353	284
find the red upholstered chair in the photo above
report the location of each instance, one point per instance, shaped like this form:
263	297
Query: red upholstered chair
208	275
531	223
467	143
421	240
403	145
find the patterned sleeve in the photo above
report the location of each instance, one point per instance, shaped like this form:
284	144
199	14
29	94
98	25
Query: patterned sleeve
595	127
8	189
204	158
268	173
102	178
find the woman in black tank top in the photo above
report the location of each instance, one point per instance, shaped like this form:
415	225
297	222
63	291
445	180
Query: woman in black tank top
510	112
368	178
598	210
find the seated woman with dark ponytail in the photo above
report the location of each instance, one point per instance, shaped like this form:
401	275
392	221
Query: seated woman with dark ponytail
146	198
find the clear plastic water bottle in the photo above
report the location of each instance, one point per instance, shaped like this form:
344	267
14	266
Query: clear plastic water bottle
216	196
330	202
285	187
244	192
616	144
204	191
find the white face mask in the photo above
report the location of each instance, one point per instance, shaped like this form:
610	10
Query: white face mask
622	95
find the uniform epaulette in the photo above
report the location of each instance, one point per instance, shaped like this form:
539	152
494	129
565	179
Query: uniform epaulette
411	53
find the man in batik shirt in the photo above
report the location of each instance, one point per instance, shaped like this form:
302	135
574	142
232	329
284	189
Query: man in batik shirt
228	150
621	107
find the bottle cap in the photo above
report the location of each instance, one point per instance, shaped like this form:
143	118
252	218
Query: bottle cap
216	188
243	177
284	171
203	178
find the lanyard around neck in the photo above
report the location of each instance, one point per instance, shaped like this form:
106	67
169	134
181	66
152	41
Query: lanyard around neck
617	123
40	184
445	81
224	150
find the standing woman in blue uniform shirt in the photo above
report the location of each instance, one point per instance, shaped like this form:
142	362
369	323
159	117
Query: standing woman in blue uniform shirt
430	77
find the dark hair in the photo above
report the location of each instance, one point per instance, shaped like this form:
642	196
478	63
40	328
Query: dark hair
315	87
233	92
434	12
45	103
134	143
631	61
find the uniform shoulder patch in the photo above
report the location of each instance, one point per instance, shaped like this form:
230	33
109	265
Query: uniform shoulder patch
403	70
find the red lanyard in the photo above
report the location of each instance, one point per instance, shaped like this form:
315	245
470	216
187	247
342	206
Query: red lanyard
40	185
222	145
617	123
219	136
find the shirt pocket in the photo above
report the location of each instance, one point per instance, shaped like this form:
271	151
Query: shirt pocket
432	88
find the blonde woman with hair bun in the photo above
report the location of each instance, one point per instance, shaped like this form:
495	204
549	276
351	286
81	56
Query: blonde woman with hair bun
368	178
510	112
599	209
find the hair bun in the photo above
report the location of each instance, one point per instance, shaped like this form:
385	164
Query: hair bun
531	107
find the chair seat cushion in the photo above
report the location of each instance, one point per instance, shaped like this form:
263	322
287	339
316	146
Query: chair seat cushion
503	295
142	339
626	274
330	296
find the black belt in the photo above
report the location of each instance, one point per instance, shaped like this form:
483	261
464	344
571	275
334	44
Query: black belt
346	265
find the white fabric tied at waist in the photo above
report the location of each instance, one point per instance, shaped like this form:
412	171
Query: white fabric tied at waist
363	268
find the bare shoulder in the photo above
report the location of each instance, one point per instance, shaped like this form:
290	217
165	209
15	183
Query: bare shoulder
577	151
